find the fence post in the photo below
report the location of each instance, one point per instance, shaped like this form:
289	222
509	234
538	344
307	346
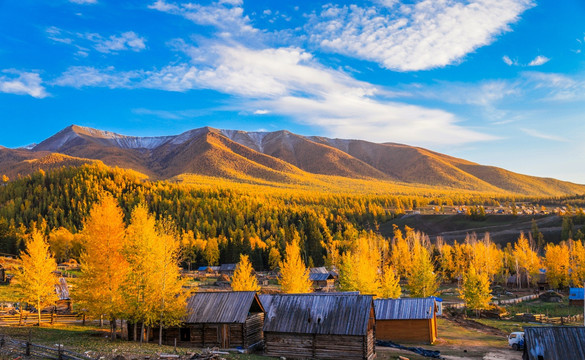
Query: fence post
52	317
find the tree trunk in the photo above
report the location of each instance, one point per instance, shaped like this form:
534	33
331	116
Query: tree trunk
160	334
101	321
142	332
147	333
114	328
135	338
39	312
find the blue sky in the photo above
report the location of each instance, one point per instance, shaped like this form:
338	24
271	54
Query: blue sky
499	82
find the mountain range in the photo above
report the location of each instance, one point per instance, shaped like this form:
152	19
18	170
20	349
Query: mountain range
279	156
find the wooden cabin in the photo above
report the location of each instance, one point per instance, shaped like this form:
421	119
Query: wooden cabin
322	282
408	319
554	342
227	269
227	320
576	296
320	326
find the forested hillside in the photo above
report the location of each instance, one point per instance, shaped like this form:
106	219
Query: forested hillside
233	217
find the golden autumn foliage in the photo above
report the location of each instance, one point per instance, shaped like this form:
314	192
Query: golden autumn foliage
557	263
35	278
421	278
527	261
389	284
577	262
475	290
294	276
244	278
104	267
359	267
273	258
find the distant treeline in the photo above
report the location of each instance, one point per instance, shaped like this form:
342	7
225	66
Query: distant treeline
238	221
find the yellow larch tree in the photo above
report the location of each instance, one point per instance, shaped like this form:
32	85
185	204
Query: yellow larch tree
141	239
359	267
273	258
389	284
294	276
244	278
35	277
557	263
527	260
577	262
211	252
103	264
421	278
401	256
168	299
475	290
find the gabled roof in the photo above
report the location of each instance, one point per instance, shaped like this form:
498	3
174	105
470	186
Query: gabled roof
404	309
330	314
555	342
576	294
318	270
227	267
222	307
320	276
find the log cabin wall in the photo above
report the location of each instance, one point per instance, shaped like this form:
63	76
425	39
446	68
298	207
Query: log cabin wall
317	346
407	330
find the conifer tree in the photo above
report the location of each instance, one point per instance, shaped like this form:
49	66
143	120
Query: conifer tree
294	276
35	277
244	278
527	259
212	252
141	239
557	262
422	280
168	298
103	265
389	284
273	258
475	290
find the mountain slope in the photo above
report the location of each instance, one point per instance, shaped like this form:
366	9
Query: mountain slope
279	156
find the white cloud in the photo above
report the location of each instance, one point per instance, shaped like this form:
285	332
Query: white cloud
288	81
126	41
539	60
171	114
227	15
87	76
420	36
22	83
261	112
83	2
509	61
540	135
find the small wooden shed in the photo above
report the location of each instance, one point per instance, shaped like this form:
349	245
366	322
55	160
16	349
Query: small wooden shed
322	282
227	320
227	269
408	319
554	342
576	296
322	326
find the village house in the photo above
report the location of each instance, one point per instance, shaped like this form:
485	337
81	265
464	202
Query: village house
576	296
554	343
227	269
322	326
227	320
408	319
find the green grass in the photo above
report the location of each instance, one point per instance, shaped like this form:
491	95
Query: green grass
549	309
8	293
507	326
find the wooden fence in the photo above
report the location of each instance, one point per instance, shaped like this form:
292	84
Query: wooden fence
27	348
32	318
496	302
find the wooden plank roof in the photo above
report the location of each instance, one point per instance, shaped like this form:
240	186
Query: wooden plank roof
555	342
404	309
320	276
222	307
326	314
